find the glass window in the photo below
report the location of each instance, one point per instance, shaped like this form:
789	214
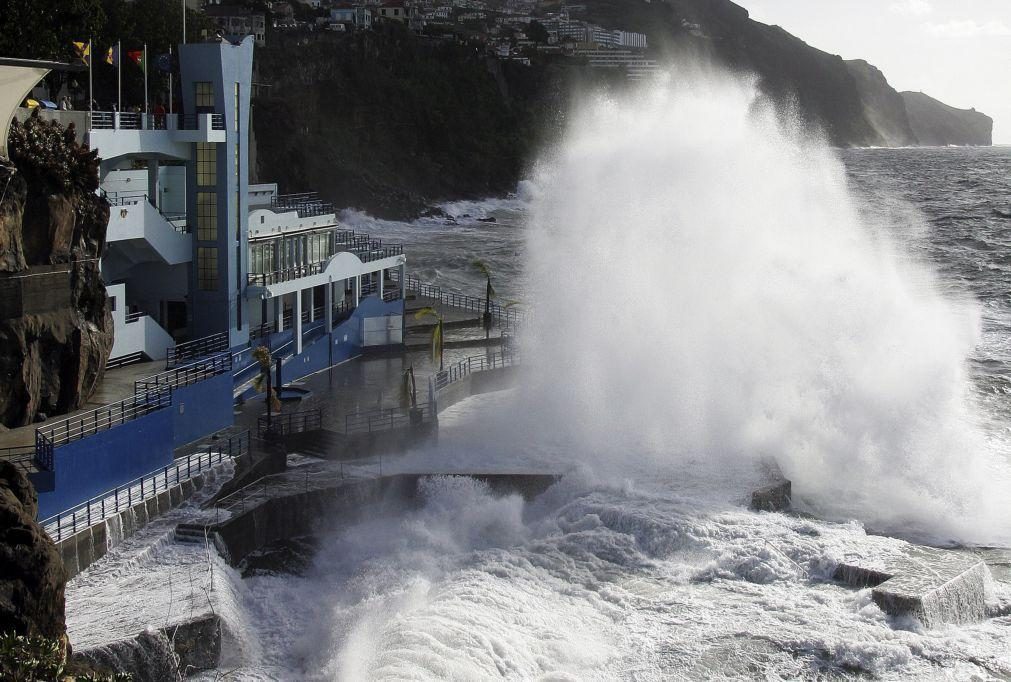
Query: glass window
207	216
207	164
204	95
207	268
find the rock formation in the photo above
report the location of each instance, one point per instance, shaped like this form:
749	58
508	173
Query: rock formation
884	108
937	124
55	323
32	576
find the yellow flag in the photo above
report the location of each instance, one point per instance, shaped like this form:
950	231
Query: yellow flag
83	52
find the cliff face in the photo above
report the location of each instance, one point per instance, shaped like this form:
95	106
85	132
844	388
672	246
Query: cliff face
884	108
388	122
32	576
55	324
938	124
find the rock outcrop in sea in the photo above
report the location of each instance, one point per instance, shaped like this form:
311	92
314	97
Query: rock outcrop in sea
56	326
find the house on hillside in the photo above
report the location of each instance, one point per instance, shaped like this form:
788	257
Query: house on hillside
239	21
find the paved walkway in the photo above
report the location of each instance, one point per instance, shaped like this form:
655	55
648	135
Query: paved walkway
116	385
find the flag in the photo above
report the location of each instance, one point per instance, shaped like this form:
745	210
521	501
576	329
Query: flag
164	62
83	52
138	58
112	56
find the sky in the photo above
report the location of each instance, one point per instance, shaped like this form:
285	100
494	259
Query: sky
957	51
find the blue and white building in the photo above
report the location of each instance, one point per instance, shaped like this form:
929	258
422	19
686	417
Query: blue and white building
202	268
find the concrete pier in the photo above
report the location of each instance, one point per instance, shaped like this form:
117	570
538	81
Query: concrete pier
932	586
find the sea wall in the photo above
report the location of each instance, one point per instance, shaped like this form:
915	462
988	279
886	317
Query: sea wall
321	509
81	550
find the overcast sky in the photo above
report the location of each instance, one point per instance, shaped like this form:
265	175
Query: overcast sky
958	51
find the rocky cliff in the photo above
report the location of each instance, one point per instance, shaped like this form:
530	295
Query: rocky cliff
32	576
937	124
391	122
55	324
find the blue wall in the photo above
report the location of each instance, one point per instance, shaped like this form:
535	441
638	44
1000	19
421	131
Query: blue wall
98	463
201	408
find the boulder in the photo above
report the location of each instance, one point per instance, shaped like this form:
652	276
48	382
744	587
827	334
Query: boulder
32	576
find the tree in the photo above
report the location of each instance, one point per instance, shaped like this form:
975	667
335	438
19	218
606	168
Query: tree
536	32
262	381
429	311
46	29
488	294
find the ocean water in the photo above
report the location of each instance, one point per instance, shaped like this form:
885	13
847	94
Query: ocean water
697	301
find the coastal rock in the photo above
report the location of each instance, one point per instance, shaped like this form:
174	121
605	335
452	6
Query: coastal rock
32	576
56	327
884	108
937	124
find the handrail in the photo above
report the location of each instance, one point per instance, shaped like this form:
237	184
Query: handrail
502	314
65	431
185	375
197	348
21	457
289	422
125	496
386	418
467	366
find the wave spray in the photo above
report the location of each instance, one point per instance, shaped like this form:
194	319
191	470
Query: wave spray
706	291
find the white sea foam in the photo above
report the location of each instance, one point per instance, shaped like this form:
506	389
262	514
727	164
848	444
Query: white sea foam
705	288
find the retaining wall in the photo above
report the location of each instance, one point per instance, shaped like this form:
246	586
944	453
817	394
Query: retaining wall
322	509
88	546
94	464
476	383
202	408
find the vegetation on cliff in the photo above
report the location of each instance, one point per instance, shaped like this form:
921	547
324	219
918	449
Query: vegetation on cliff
390	122
55	323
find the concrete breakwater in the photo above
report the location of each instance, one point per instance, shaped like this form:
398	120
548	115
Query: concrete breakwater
299	507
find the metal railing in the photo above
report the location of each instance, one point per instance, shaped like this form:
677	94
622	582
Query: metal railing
128	359
65	431
290	422
385	419
133	317
185	375
21	457
125	496
467	366
306	204
135	198
131	120
501	314
197	348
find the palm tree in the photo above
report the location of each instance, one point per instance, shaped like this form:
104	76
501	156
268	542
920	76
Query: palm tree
489	294
408	389
429	311
261	382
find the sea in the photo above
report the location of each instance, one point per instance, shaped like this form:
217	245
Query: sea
694	305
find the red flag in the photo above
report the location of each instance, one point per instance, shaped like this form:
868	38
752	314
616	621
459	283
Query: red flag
138	58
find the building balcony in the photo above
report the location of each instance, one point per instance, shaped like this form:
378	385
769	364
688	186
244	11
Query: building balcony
117	134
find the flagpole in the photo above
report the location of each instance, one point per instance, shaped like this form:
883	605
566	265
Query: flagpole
119	76
170	74
145	78
91	91
184	21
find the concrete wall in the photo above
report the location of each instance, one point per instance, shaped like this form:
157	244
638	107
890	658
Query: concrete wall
476	383
314	511
95	464
85	548
202	408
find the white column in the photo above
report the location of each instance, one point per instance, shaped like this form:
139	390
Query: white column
310	298
279	312
328	305
298	322
356	286
379	287
403	281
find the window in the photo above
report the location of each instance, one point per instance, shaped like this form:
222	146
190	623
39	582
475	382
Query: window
236	105
203	95
207	164
207	216
207	268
